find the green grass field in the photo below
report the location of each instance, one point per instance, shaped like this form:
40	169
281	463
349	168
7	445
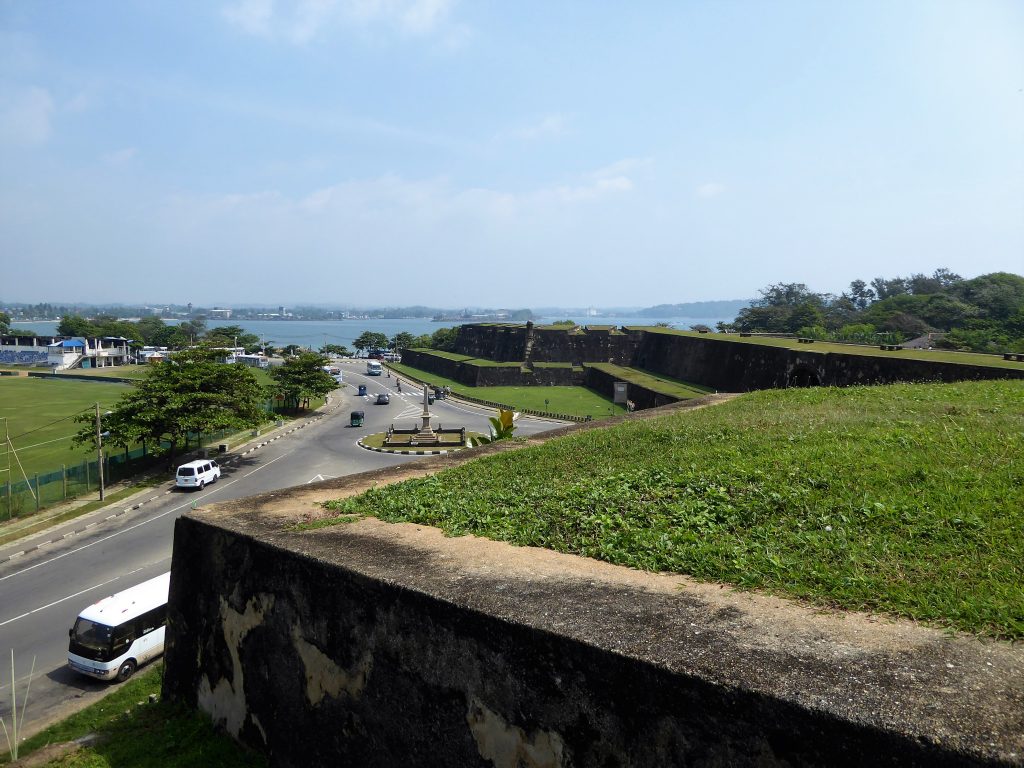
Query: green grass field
906	499
39	415
571	401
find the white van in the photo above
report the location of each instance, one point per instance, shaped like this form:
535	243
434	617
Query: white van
197	474
113	637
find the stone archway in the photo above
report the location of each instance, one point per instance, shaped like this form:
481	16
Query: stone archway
803	376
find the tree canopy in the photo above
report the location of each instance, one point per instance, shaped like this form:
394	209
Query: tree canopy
370	340
984	314
190	393
300	378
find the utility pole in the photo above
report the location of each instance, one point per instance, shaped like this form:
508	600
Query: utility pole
99	450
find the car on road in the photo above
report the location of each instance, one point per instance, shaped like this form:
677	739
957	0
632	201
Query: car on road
383	398
197	474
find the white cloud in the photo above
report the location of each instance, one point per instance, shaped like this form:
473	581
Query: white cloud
25	118
380	202
621	167
710	189
547	126
251	16
120	156
299	21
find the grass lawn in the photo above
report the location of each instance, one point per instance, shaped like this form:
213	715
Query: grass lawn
141	735
906	499
571	401
933	355
39	415
654	382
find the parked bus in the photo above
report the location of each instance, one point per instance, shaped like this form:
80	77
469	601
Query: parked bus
374	368
113	637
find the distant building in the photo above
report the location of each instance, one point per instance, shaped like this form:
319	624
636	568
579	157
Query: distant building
220	314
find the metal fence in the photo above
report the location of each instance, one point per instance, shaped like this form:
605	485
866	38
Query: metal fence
44	489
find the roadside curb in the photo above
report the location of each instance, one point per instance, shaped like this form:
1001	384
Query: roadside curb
401	453
131	508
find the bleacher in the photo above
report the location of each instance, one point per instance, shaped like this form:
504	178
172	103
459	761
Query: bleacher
10	357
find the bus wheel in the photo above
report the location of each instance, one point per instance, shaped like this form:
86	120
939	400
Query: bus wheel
127	670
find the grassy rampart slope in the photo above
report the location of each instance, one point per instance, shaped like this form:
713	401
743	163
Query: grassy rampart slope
907	499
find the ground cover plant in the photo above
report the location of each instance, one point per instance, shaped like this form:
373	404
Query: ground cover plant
132	731
819	347
571	401
907	499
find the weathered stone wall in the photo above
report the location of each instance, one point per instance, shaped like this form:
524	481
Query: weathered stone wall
382	645
442	366
505	343
723	364
491	375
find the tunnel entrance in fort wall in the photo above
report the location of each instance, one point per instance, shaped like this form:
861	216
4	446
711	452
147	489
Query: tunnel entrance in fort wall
803	376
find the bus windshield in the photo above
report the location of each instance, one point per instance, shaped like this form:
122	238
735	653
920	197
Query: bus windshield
89	634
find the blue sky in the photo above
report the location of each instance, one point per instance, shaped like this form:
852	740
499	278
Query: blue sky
376	152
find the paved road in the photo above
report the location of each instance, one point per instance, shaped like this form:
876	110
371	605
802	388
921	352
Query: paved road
42	590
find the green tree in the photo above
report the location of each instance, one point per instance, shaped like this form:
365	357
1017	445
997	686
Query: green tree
190	393
5	323
402	340
444	339
75	325
193	329
300	378
370	340
335	349
231	336
150	329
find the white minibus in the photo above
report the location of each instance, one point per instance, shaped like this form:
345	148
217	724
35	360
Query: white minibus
113	637
374	368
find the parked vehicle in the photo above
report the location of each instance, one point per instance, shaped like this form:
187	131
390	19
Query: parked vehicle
356	418
197	474
383	398
112	638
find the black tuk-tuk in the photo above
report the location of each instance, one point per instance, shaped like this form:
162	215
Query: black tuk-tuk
356	419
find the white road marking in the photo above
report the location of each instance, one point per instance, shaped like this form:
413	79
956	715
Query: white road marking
64	599
137	525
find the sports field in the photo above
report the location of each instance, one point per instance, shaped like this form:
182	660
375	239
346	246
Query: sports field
39	416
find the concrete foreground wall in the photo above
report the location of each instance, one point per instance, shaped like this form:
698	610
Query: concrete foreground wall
370	644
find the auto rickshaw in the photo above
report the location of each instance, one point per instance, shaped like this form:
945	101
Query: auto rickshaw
362	389
356	419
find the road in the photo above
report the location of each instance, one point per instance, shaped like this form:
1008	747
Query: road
42	590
